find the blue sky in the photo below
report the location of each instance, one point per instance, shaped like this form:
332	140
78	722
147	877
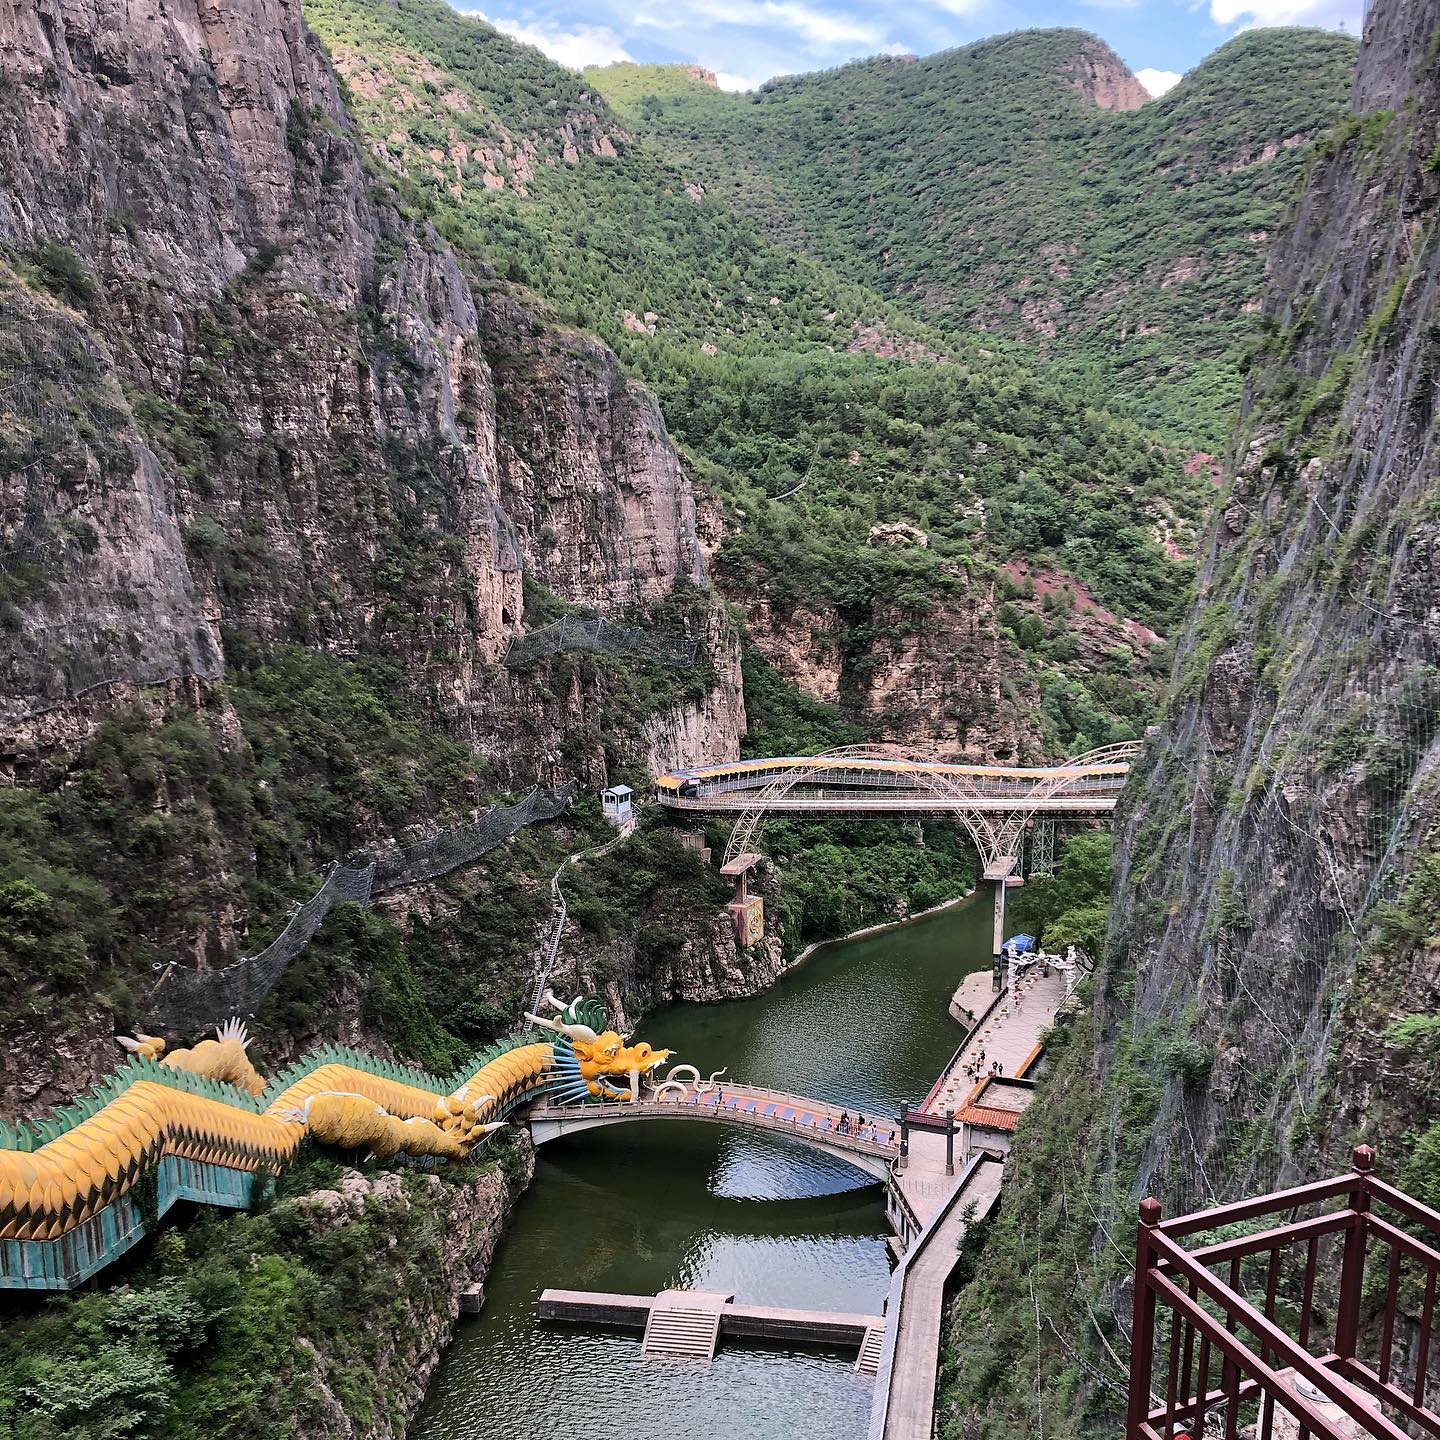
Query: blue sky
748	41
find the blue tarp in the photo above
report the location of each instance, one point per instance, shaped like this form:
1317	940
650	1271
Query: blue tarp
1019	944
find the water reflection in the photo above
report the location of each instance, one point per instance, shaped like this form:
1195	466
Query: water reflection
641	1207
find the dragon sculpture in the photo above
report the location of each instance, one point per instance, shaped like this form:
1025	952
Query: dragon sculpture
80	1188
222	1058
594	1056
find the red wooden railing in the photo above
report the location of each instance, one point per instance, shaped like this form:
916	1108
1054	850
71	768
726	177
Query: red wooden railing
1319	1325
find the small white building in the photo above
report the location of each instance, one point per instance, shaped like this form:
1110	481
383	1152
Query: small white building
618	805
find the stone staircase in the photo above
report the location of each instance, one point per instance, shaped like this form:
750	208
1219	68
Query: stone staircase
868	1361
685	1322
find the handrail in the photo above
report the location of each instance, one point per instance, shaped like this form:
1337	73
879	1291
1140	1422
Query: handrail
1214	1308
622	1110
1271	1336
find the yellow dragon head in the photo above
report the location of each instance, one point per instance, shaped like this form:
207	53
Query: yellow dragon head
598	1055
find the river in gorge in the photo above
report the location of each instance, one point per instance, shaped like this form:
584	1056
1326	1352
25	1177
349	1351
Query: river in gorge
638	1208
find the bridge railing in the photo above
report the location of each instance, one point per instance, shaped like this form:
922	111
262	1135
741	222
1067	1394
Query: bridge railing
704	1108
997	786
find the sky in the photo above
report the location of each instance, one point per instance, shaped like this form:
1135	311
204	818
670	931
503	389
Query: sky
747	42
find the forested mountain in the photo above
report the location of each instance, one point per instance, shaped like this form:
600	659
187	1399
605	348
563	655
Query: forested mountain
1020	186
338	353
795	377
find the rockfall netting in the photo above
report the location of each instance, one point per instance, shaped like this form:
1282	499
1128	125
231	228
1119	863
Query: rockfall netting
574	632
187	1001
1286	876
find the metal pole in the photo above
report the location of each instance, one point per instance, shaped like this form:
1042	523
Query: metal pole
904	1136
950	1141
1142	1342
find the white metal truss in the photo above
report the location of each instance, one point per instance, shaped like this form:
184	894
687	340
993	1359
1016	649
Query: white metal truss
994	822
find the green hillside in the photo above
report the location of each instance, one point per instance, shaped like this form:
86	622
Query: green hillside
980	188
771	367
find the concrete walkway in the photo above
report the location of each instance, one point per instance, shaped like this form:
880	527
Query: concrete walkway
744	1321
904	1407
1009	1034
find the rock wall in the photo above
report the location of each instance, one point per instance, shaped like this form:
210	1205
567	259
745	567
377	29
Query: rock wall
344	436
1289	794
465	1222
1272	961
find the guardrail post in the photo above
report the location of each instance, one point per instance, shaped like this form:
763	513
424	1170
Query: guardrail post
1142	1334
1352	1263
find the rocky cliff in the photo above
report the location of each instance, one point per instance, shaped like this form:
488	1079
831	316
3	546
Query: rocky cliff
283	405
276	462
1288	801
1272	972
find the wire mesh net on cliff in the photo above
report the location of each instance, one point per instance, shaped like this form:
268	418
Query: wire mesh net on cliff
608	637
1319	815
186	1000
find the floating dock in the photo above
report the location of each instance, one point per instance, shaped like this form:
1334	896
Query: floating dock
651	1314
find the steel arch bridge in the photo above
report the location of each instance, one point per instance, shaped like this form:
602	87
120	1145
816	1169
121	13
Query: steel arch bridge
993	802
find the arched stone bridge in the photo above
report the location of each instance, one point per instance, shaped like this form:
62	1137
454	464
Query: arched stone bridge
872	1150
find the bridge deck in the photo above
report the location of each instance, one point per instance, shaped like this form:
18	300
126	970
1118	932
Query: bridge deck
748	1106
896	801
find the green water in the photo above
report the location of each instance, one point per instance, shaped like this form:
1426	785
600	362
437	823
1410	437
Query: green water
640	1207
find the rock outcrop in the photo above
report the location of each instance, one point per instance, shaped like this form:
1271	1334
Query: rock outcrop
1102	77
946	685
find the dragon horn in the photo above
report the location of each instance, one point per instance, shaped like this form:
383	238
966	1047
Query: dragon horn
575	1032
129	1044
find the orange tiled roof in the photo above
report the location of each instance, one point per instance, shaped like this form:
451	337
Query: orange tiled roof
989	1116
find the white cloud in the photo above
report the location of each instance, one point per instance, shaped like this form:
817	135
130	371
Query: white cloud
727	80
821	29
1157	82
577	46
957	7
1329	13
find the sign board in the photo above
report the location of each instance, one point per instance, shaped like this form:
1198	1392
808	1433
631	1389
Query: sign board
749	918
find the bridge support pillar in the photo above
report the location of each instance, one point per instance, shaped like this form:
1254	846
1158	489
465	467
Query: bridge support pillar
998	871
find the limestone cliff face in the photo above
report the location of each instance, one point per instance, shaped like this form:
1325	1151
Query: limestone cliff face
1270	900
946	685
448	1232
299	415
249	399
1101	76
